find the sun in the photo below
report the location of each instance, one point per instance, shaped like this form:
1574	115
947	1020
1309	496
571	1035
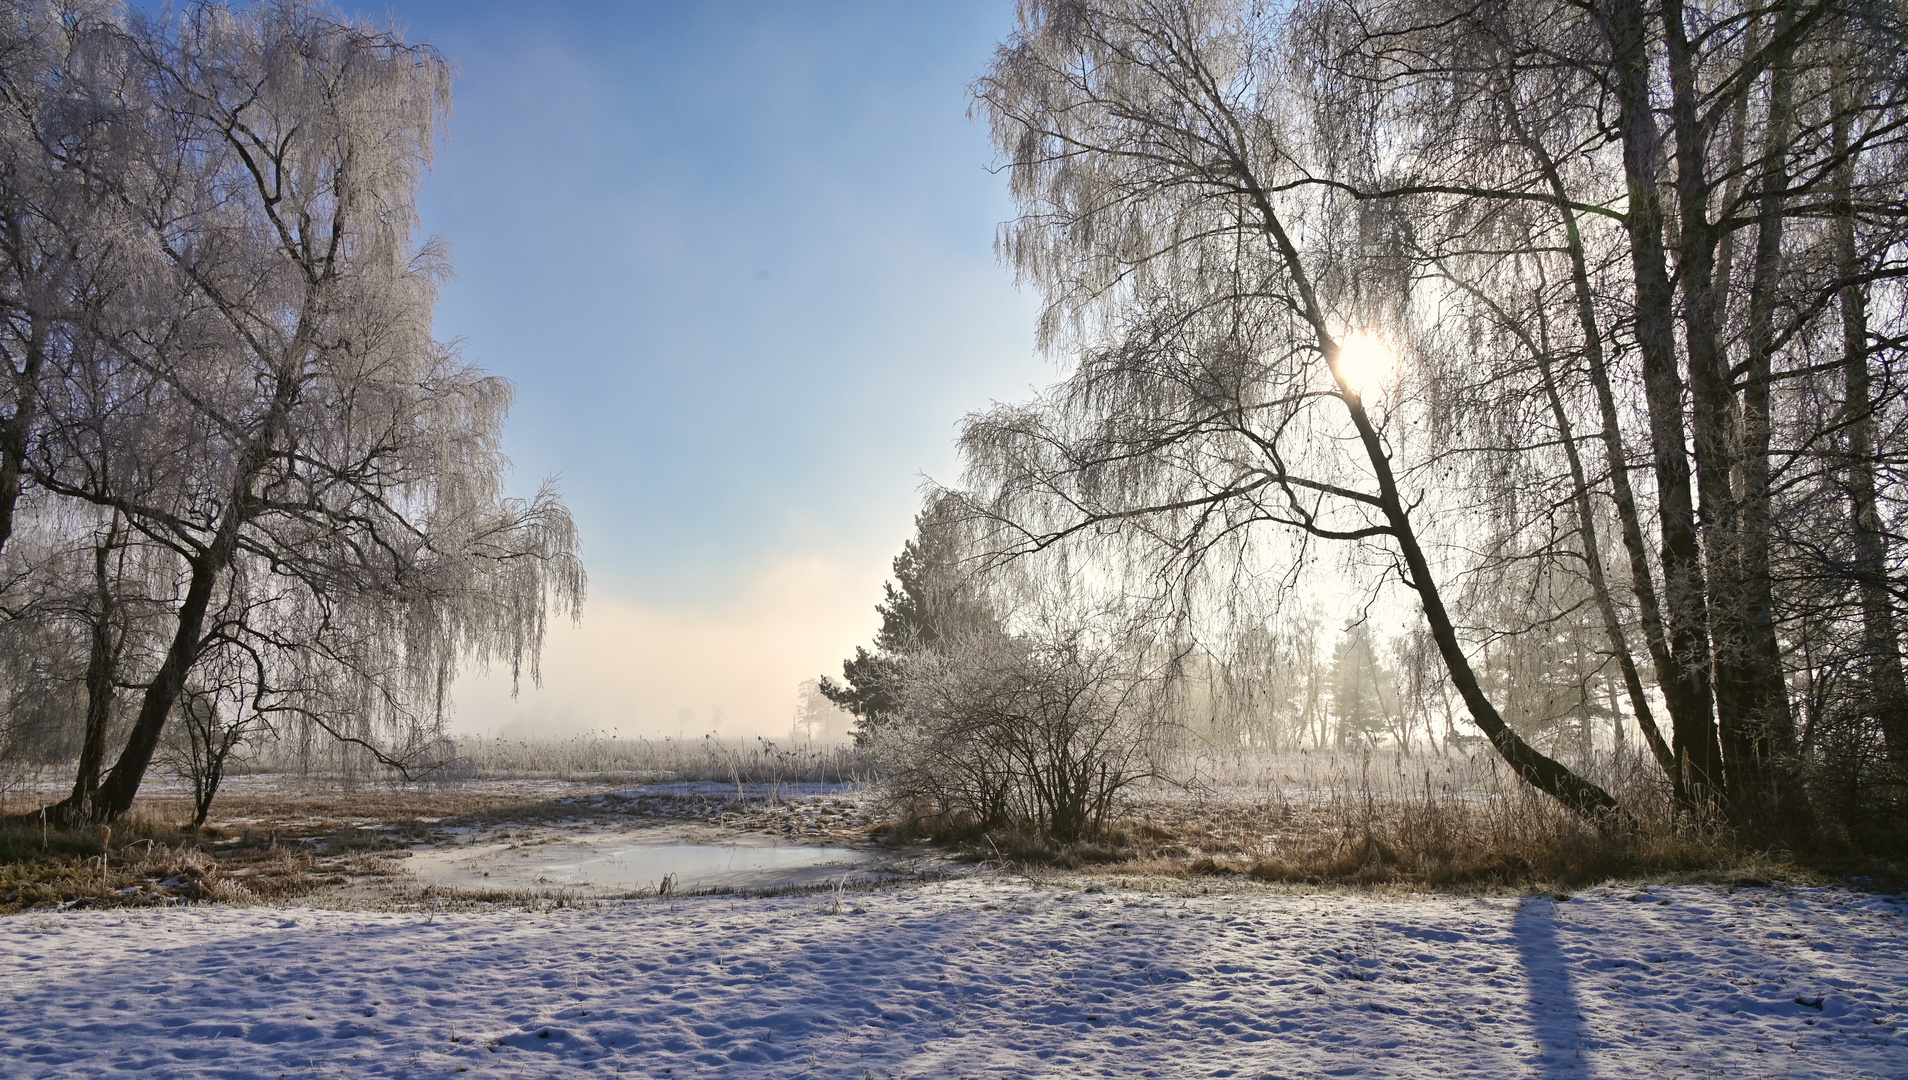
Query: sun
1364	361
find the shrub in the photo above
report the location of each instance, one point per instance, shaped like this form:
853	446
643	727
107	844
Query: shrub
1034	732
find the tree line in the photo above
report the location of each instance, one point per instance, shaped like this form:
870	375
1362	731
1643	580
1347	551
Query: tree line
242	488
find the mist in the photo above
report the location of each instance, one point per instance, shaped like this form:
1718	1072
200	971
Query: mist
653	670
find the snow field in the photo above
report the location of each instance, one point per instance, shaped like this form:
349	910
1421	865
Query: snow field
990	977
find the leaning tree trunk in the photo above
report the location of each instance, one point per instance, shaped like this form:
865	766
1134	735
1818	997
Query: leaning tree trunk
1552	777
116	794
1688	708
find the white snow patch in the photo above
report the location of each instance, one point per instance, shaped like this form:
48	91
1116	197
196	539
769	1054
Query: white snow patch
978	977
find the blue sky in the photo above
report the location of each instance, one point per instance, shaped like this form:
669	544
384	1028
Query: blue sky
738	261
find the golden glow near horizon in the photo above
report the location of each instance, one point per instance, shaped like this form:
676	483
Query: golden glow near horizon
1364	361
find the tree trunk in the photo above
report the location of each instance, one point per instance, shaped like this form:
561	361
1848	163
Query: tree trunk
1886	690
116	794
1769	722
1717	428
1600	586
1688	711
1586	799
15	429
1685	605
102	670
122	784
1582	797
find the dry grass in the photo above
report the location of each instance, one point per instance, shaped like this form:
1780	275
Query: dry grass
144	863
611	758
1429	822
1380	820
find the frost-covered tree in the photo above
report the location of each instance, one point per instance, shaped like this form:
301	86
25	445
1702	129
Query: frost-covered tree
60	231
1364	694
817	719
932	601
1225	315
259	394
1612	288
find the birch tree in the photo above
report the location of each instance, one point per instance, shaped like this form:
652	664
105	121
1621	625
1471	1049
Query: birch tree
1600	240
1226	313
266	402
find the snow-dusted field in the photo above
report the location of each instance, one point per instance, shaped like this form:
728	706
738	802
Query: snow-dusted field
981	977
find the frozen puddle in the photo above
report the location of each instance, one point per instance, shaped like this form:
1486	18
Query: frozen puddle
616	863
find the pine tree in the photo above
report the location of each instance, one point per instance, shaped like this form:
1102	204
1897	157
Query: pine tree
929	603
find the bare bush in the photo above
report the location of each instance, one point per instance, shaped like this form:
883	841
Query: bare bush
1040	732
213	721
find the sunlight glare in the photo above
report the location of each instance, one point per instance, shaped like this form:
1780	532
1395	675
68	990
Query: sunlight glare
1364	360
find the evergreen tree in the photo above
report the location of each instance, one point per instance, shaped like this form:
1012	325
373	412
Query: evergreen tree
929	603
1359	690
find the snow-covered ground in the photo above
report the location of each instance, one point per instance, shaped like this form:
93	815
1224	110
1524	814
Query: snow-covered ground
990	976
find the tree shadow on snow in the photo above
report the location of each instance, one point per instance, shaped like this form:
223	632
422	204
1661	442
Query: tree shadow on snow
1556	1017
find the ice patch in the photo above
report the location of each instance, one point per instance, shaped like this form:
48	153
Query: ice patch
617	863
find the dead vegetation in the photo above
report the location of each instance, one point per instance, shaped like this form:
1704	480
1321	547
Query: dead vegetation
142	862
1425	822
599	757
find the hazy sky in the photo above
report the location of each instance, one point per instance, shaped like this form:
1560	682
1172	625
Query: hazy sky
738	260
